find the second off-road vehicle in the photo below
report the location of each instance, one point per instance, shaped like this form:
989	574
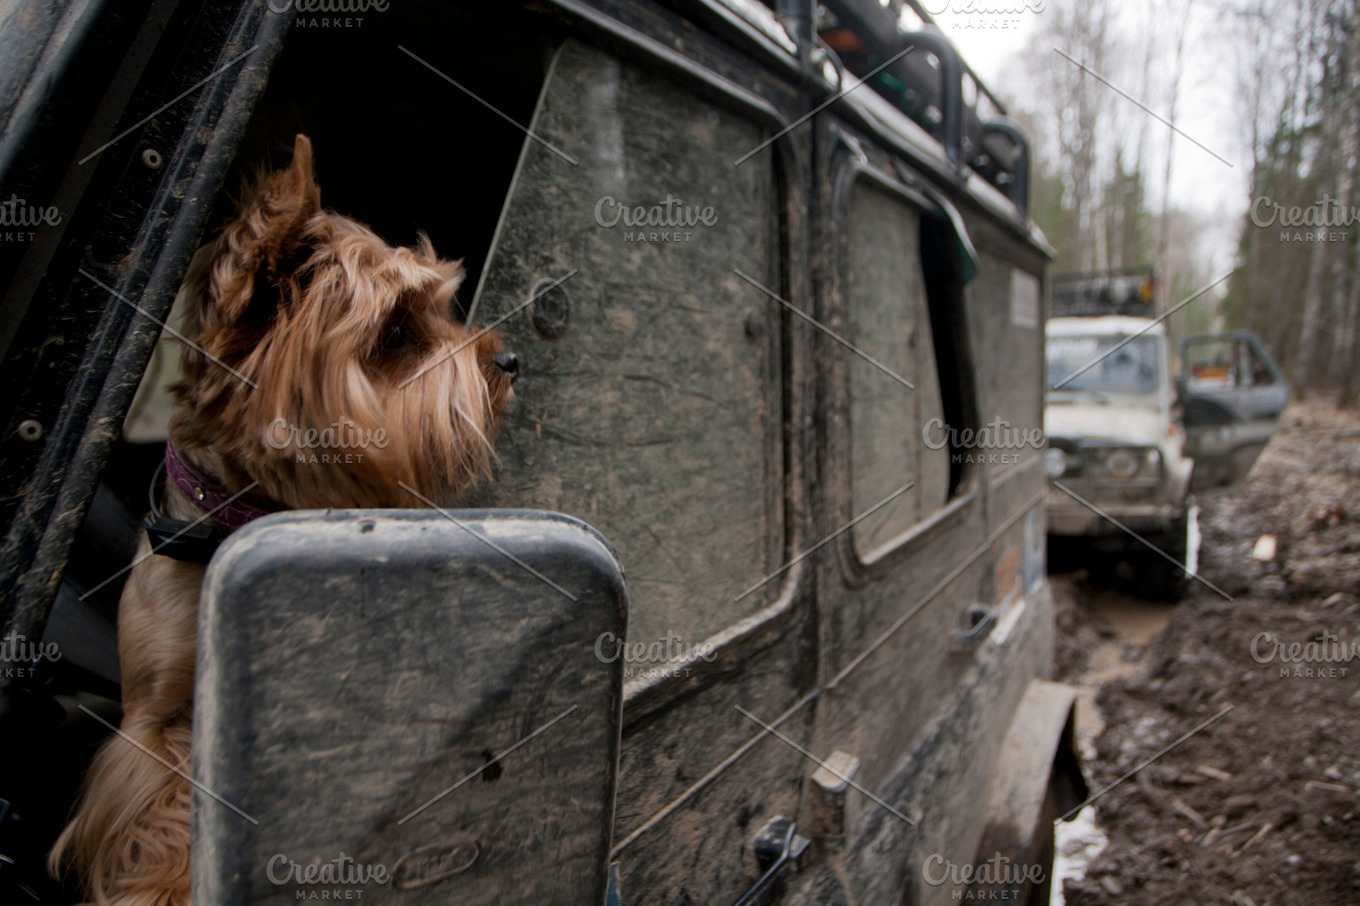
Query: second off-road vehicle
1131	434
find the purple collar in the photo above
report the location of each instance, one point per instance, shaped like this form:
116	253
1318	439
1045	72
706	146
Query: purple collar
204	494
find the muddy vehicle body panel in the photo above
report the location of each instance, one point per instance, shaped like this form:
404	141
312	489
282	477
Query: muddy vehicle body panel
733	399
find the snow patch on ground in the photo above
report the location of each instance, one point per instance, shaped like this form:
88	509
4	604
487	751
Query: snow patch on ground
1078	842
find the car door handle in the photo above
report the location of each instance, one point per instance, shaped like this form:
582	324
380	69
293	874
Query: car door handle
777	847
983	622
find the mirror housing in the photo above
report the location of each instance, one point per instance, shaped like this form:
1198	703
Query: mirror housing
417	692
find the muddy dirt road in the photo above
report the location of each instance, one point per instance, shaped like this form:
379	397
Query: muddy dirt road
1254	687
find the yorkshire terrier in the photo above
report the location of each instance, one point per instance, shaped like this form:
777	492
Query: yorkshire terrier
297	317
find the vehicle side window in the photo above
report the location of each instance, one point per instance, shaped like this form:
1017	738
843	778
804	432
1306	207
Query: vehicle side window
1224	363
890	322
649	398
1256	371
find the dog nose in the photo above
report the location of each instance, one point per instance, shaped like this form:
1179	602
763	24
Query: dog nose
508	362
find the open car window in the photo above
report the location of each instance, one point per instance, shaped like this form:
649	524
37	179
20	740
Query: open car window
1222	363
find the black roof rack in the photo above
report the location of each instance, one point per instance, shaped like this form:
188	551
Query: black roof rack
1112	291
932	95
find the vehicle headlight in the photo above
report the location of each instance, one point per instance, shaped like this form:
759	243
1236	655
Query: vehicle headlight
1055	462
1122	463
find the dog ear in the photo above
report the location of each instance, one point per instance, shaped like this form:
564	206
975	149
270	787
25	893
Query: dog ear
282	207
266	242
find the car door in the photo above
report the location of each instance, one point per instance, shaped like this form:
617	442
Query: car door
638	271
1232	396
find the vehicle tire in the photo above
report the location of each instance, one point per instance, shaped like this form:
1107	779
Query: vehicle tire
1066	554
1102	568
1159	578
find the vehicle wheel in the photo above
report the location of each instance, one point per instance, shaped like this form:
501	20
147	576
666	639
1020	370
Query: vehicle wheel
1102	569
1065	555
1159	578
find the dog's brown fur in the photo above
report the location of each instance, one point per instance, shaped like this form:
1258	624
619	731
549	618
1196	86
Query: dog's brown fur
327	321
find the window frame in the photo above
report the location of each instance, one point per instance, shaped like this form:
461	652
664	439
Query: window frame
790	443
858	568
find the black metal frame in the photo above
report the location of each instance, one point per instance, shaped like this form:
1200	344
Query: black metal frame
79	352
1098	299
961	129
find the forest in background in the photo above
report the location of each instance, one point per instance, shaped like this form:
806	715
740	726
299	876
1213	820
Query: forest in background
1291	70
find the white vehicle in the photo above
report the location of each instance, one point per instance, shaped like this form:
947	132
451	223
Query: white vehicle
1128	443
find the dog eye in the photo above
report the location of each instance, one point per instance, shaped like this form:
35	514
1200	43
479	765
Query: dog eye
395	338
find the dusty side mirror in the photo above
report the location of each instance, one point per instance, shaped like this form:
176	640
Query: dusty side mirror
407	707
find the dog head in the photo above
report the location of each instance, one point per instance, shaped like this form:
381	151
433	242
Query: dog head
325	364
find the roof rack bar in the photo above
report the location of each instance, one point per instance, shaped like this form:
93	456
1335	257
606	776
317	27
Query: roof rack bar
879	19
797	17
928	19
1132	270
931	39
1018	190
877	26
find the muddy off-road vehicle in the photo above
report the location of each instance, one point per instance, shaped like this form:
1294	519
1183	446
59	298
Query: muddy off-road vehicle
739	284
1131	437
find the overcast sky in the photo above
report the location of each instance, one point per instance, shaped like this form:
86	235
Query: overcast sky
993	45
